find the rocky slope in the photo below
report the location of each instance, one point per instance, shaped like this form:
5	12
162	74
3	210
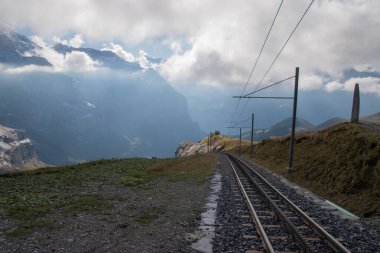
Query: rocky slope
217	143
16	151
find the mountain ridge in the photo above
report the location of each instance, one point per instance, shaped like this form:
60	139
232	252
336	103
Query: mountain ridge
118	111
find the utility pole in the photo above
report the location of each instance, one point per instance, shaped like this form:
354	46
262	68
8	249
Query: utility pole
292	138
208	143
295	98
253	120
240	143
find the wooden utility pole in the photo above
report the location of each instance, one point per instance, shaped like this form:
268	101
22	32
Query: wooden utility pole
292	137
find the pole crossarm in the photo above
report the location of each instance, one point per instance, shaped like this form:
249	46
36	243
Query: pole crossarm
240	122
271	85
238	127
265	97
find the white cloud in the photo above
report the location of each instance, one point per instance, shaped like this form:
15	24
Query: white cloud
79	61
366	84
222	38
24	69
176	47
365	68
38	40
143	60
57	40
73	61
75	41
118	50
310	81
334	86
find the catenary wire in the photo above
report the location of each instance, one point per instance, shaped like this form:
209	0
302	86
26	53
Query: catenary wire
278	54
257	60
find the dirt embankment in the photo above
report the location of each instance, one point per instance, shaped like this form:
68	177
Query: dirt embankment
341	163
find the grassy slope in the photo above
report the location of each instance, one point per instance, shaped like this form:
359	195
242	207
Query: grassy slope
226	142
28	198
340	163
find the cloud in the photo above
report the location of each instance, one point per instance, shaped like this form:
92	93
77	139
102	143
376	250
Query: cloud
365	68
310	81
222	38
366	84
119	51
73	61
144	62
75	41
176	47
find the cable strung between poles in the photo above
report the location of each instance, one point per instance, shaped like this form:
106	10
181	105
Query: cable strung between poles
279	53
257	59
286	42
266	87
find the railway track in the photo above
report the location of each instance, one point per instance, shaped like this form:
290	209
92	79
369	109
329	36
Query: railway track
278	225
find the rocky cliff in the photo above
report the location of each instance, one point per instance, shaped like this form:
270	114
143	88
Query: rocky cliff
16	151
217	143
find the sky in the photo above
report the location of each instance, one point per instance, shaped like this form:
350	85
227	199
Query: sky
213	45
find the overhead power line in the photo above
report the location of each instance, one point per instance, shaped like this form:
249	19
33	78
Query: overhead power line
240	122
257	59
286	42
266	87
278	54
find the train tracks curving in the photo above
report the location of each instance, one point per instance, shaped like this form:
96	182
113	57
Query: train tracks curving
278	224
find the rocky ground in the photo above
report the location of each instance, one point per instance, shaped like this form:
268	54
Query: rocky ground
16	151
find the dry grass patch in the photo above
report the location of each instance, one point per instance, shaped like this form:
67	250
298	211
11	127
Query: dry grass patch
340	163
193	168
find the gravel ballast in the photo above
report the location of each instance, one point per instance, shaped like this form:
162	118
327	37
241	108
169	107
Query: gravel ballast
357	235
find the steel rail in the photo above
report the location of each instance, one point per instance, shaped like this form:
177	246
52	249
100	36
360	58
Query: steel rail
331	241
264	238
287	223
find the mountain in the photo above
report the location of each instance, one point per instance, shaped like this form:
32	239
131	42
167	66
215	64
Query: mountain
281	128
118	111
13	49
284	127
93	116
371	119
16	151
106	58
328	123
